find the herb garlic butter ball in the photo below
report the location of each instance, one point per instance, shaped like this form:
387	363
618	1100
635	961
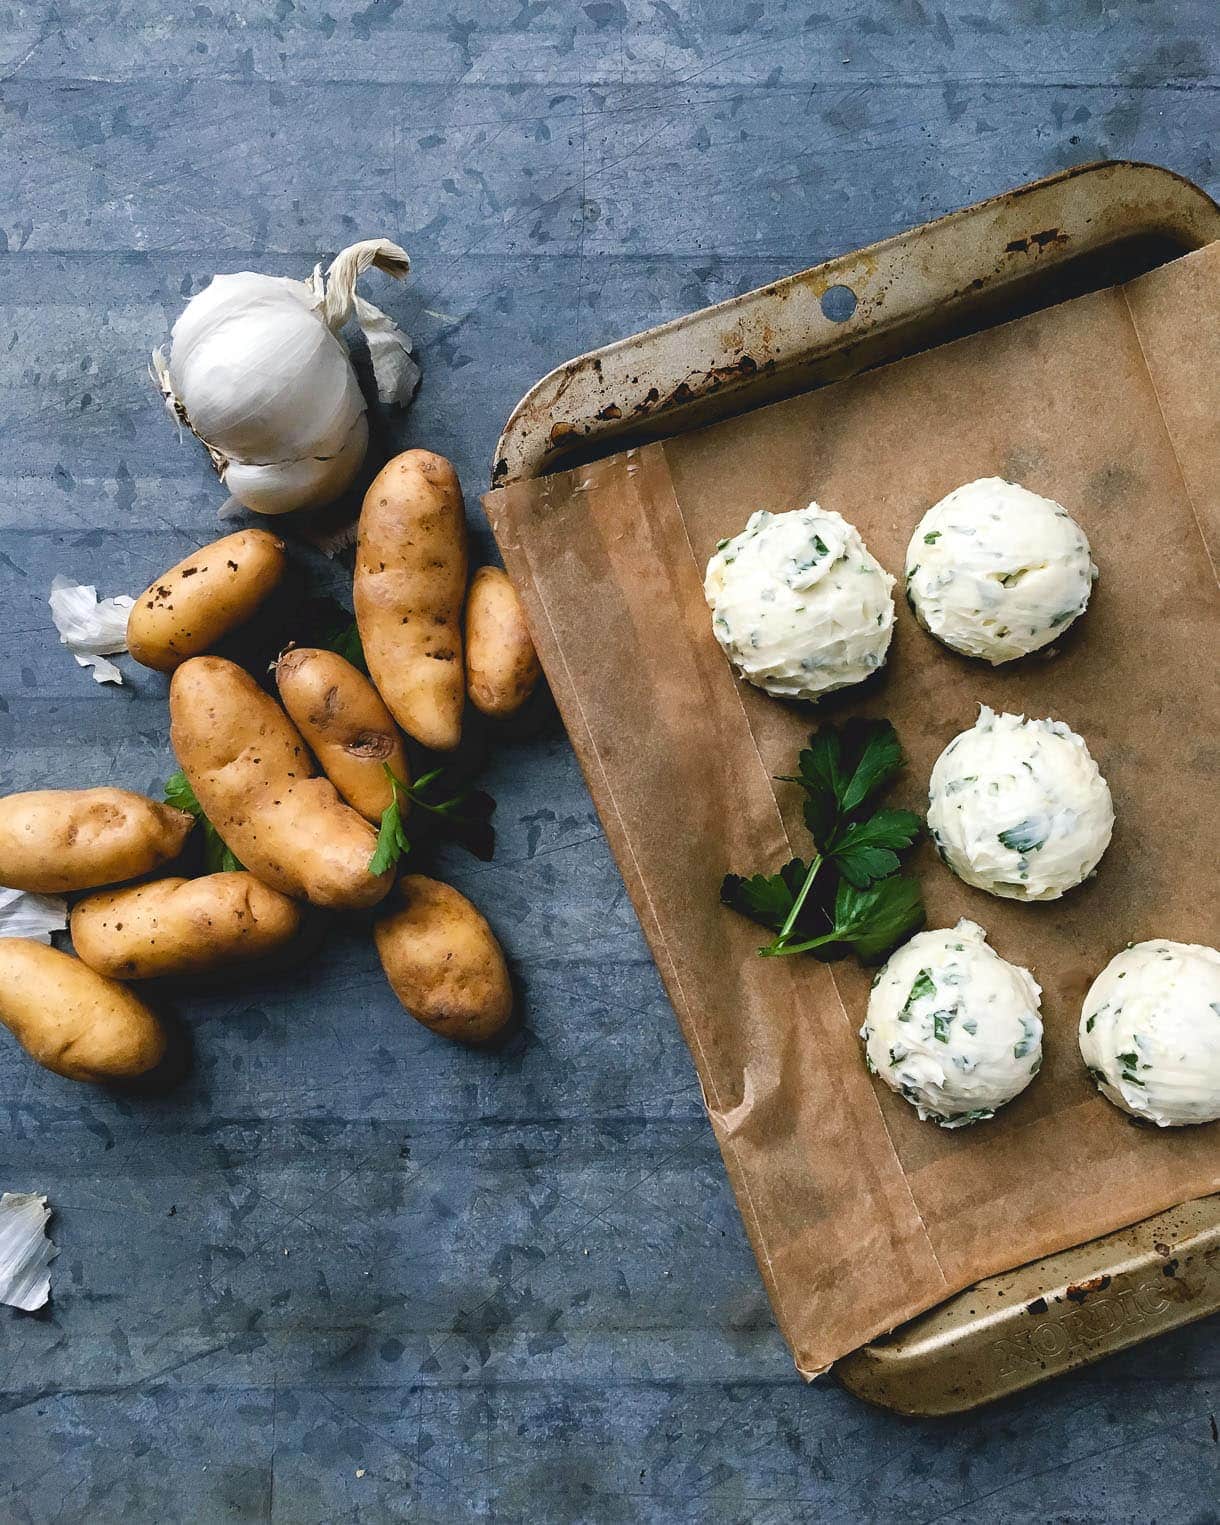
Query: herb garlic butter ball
799	605
1018	808
953	1027
1150	1032
995	571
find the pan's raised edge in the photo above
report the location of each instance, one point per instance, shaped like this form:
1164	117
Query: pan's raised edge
1010	1332
970	269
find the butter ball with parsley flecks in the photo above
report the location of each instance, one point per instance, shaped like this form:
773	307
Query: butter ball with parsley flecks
953	1027
1150	1032
1019	808
799	604
996	571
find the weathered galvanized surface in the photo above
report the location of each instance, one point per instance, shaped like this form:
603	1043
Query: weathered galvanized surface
344	1271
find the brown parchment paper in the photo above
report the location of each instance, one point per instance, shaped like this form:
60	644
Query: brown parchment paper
860	1215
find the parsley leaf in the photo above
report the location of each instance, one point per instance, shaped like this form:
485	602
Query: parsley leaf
765	898
218	858
346	642
867	850
464	817
874	920
869	922
924	985
392	842
841	769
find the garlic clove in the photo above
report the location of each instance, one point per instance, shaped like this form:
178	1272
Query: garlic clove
281	486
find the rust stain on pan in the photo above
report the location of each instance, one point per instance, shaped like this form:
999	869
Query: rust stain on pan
1077	1291
1036	241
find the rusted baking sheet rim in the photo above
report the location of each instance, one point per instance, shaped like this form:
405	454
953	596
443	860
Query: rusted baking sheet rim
1079	230
908	291
1012	1331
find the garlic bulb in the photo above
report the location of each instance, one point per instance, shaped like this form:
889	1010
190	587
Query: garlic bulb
259	373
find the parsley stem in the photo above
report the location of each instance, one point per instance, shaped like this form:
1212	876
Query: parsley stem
780	943
777	949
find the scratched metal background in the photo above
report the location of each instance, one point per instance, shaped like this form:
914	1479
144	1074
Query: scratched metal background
346	1272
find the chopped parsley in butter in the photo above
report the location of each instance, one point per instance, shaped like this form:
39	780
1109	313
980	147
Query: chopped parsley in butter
799	605
1018	807
953	1027
1150	1032
996	571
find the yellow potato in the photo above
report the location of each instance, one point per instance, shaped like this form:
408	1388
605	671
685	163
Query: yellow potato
73	1020
348	728
53	841
208	594
255	779
501	663
182	926
443	961
409	581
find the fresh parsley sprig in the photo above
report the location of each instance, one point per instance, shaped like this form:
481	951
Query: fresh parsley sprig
464	817
218	858
868	905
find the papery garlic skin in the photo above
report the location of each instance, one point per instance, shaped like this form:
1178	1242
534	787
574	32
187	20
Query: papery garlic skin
259	372
24	914
25	1251
91	628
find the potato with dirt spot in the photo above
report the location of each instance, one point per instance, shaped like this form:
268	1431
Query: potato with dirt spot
182	926
348	728
443	961
501	663
409	582
254	777
73	1020
205	597
54	841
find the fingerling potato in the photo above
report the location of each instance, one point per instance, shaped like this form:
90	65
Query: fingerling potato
182	926
204	597
255	779
443	961
408	585
53	841
501	663
348	728
71	1019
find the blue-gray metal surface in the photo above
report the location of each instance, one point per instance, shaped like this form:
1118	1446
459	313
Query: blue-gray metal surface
346	1271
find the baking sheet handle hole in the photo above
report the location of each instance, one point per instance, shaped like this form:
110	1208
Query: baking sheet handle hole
838	303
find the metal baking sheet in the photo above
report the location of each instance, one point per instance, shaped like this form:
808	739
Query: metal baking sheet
1036	246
